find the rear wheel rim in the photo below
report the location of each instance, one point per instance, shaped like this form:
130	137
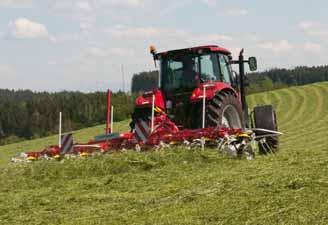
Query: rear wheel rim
225	122
230	117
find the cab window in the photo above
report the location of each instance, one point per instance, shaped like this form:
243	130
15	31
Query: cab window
209	67
225	69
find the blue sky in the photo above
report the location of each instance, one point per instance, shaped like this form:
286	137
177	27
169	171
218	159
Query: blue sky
59	45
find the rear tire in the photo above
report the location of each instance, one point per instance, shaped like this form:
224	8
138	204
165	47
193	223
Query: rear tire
265	118
224	111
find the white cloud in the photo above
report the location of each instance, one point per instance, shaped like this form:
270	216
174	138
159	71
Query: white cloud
66	38
236	12
166	38
169	7
114	52
305	25
83	6
52	63
96	52
319	33
215	38
16	3
312	48
23	28
121	3
172	7
6	71
137	32
61	6
210	3
146	34
83	11
164	34
277	46
121	52
88	6
314	29
80	7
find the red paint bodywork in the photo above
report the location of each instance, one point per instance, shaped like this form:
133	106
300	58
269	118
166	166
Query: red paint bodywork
147	98
145	101
211	89
210	48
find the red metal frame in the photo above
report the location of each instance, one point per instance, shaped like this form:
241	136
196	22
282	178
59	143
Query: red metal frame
108	114
146	99
165	132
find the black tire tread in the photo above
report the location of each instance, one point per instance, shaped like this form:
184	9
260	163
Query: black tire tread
221	99
265	118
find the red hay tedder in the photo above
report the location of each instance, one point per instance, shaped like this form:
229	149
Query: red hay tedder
199	101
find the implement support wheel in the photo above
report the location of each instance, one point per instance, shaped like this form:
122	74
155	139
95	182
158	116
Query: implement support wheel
265	118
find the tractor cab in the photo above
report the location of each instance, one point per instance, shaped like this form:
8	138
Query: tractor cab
181	71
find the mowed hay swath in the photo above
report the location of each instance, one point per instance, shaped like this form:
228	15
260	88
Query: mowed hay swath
302	115
182	186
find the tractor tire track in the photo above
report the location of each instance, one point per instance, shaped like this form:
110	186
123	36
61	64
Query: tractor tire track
299	110
275	101
295	98
311	141
316	124
318	107
259	100
266	98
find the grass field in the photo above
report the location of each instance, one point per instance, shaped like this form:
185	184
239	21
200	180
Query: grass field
181	186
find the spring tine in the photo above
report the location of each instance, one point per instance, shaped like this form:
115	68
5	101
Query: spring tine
263	146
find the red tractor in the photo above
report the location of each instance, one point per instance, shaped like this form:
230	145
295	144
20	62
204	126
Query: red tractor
185	76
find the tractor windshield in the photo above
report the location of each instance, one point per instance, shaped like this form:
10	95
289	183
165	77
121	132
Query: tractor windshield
185	72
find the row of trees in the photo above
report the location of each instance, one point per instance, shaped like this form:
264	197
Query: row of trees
280	78
258	82
26	115
144	81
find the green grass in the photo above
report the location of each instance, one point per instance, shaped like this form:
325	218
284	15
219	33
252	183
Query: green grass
181	186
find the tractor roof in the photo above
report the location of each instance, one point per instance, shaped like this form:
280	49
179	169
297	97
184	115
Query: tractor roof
205	48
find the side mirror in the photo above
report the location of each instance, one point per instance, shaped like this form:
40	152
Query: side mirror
252	63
